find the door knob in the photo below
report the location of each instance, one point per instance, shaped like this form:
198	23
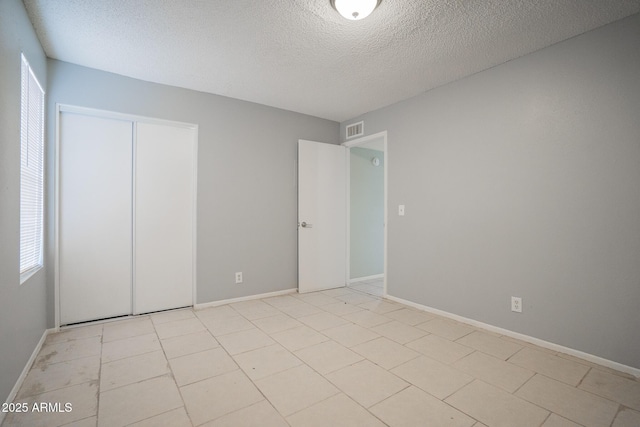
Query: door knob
305	225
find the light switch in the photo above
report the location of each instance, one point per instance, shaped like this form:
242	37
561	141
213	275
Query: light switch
401	210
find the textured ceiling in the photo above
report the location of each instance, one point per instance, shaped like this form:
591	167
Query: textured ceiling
300	55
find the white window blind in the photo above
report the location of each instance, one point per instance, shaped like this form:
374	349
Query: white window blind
31	172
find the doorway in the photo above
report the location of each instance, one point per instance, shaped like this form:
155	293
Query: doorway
367	214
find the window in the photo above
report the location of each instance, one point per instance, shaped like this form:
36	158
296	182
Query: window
31	173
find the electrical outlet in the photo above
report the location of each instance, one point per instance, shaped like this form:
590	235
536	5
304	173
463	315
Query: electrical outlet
401	210
516	304
239	277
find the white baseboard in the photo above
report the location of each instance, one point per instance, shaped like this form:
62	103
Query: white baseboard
25	371
364	279
541	343
247	298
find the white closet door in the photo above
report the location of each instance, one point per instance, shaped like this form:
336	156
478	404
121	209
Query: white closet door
95	233
164	217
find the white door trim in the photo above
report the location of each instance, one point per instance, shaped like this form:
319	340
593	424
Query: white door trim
66	108
349	145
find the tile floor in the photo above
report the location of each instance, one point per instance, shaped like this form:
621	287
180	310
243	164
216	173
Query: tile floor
333	358
372	287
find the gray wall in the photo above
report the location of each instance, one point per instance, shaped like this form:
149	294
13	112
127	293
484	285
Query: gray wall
22	307
367	213
247	199
524	180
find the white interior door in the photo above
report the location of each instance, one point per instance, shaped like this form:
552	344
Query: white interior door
164	217
321	216
94	236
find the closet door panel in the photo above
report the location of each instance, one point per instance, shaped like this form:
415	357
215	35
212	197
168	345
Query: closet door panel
164	208
95	205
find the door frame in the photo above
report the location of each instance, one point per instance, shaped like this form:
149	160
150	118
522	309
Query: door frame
355	143
67	108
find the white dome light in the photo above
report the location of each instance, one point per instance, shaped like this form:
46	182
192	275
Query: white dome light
355	9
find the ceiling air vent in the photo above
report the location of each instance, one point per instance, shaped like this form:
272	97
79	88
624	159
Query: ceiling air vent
355	129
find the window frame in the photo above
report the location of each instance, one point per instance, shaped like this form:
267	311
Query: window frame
32	124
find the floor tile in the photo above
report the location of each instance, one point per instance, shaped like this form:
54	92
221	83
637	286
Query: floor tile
440	348
226	325
127	347
188	344
571	403
74	333
174	418
380	306
283	301
555	420
613	387
328	356
350	335
414	407
410	316
317	299
374	290
300	310
367	383
45	378
322	321
595	365
133	369
356	298
82	397
179	327
384	352
341	308
523	343
337	291
230	392
495	407
490	344
399	332
336	411
255	309
295	389
137	402
627	418
127	328
494	371
199	366
435	378
266	361
367	319
550	365
300	337
239	342
172	315
69	350
444	328
260	414
217	313
85	422
277	323
361	287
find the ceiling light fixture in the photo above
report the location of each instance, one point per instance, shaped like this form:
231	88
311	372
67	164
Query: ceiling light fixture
355	9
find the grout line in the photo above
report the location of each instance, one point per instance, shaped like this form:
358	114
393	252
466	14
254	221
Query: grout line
99	377
583	377
184	404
